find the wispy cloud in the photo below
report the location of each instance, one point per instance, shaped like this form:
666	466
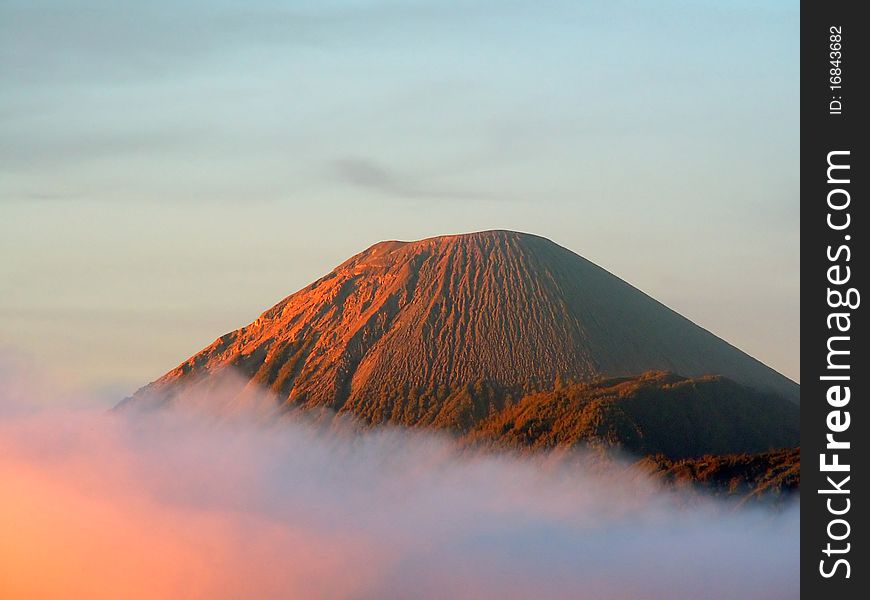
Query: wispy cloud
374	176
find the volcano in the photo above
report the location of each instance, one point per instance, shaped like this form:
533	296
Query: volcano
397	331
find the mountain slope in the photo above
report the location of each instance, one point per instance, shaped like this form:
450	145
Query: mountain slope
397	331
657	413
754	477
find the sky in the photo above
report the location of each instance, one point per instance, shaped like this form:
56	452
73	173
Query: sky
169	170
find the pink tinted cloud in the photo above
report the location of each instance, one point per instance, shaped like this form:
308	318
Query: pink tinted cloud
176	504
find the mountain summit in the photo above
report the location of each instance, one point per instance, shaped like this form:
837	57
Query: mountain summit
394	330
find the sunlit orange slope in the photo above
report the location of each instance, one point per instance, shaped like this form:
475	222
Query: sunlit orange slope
403	323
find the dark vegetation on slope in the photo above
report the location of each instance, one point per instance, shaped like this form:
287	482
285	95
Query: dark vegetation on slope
654	413
761	476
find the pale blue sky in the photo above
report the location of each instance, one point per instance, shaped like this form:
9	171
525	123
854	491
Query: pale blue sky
170	169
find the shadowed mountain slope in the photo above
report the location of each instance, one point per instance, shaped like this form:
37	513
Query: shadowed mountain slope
655	413
449	330
764	476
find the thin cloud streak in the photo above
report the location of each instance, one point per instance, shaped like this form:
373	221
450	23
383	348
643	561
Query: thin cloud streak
374	176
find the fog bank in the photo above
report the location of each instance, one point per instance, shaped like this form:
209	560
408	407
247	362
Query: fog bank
171	504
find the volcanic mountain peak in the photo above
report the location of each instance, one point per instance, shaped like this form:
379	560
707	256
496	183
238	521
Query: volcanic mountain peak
492	245
395	329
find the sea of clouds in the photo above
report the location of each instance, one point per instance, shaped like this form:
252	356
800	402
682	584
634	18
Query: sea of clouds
189	503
